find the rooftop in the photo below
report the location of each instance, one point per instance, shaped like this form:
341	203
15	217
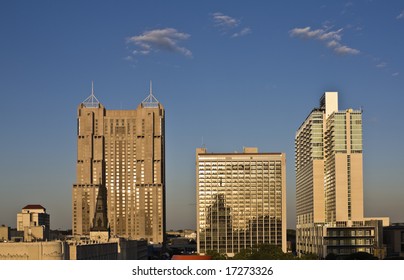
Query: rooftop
34	206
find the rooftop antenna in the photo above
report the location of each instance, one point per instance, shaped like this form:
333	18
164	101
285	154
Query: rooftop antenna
203	143
91	101
150	101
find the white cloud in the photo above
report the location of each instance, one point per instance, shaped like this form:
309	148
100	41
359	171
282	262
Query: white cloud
395	74
401	15
346	50
230	25
243	32
333	35
224	20
332	39
332	44
319	34
166	39
304	33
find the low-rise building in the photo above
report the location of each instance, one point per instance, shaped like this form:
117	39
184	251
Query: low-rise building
345	238
131	249
55	250
34	222
393	238
4	233
93	251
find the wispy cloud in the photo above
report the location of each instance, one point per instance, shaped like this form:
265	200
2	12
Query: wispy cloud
230	25
332	39
243	32
401	15
346	50
129	58
347	9
166	39
381	65
224	20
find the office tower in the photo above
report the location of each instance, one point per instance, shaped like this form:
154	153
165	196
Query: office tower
241	200
329	183
123	151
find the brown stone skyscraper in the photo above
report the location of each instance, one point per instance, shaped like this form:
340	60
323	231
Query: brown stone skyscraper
123	151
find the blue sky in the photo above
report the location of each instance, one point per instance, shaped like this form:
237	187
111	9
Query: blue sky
233	73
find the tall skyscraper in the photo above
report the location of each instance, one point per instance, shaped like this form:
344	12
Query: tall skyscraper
329	182
241	200
123	152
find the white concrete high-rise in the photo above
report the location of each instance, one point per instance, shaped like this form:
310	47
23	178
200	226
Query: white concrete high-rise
329	182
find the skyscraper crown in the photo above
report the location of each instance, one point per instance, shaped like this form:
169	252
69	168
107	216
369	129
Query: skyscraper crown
150	101
91	101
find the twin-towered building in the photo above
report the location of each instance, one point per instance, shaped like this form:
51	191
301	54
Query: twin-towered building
120	184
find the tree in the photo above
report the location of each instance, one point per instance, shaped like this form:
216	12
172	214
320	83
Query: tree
309	256
216	255
263	252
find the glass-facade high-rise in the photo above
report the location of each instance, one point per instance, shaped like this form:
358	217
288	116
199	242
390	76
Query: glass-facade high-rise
240	200
329	183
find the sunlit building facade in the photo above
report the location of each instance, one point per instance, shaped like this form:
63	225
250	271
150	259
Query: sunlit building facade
329	184
241	200
123	151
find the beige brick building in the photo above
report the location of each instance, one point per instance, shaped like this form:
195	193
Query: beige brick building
34	222
122	150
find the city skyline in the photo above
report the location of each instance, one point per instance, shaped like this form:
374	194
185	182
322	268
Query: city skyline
229	75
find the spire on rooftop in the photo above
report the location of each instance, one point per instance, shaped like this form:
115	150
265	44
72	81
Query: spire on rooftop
91	101
150	101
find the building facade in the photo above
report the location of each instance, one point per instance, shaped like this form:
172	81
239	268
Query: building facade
393	237
34	222
123	152
241	200
4	233
54	250
114	249
329	183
